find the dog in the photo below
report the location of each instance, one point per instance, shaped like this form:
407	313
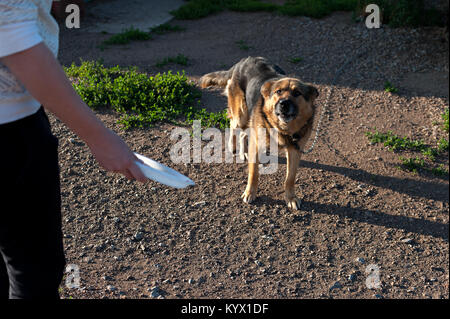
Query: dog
261	95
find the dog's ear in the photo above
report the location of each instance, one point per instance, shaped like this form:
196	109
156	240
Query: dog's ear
312	93
266	89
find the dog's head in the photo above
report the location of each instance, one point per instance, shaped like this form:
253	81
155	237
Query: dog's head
288	99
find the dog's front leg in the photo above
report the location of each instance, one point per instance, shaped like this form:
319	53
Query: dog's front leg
293	160
249	194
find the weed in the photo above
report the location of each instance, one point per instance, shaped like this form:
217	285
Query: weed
396	143
405	13
440	170
445	119
243	45
141	100
166	28
443	145
179	59
388	87
396	13
412	164
127	36
295	60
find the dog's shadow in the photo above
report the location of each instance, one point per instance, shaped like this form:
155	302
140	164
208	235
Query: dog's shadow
407	186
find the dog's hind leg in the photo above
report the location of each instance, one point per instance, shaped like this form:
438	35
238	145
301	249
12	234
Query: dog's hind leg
238	112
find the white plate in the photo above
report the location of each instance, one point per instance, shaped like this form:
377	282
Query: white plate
162	174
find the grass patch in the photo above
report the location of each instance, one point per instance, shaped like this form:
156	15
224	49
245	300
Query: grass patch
389	87
440	171
412	164
445	119
243	45
396	13
179	59
406	13
295	60
395	143
139	99
127	36
196	9
166	28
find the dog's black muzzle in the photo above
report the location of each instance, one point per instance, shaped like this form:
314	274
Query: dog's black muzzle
286	110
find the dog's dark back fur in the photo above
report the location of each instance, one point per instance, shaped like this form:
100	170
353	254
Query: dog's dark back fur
250	73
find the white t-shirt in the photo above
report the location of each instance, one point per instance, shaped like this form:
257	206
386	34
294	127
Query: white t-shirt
23	24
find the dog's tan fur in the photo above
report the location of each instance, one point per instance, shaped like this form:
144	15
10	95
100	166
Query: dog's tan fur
292	135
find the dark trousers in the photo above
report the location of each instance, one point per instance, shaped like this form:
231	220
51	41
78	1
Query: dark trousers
31	250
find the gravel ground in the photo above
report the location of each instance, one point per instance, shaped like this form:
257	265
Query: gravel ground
149	241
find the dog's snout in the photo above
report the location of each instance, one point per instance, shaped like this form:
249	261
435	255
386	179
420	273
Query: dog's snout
285	105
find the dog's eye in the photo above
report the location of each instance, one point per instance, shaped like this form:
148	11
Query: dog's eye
278	91
296	93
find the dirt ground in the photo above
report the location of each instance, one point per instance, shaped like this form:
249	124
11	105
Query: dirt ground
359	211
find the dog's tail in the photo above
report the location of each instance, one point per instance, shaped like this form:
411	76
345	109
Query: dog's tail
217	79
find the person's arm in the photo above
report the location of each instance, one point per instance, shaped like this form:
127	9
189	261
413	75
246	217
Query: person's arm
42	75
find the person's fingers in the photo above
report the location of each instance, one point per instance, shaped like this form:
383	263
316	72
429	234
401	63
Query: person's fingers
127	174
137	173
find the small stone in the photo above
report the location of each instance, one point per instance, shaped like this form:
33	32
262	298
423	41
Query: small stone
138	236
360	260
352	277
336	285
191	281
155	292
378	296
408	241
111	288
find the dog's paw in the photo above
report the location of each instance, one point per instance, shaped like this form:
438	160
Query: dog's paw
248	196
294	203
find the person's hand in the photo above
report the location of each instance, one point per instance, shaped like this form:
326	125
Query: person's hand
113	155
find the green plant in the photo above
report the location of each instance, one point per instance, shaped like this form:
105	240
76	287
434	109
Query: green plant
243	45
412	164
405	13
388	87
396	13
443	145
166	28
445	118
128	35
295	60
179	59
440	170
139	99
396	143
196	9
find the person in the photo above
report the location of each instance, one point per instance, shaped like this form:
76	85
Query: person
32	259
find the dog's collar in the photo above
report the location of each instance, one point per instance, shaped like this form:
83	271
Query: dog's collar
295	138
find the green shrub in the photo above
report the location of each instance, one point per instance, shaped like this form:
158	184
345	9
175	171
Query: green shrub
166	28
389	87
405	13
141	100
396	13
179	59
445	118
127	36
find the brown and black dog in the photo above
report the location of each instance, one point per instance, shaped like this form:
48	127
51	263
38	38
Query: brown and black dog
260	95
